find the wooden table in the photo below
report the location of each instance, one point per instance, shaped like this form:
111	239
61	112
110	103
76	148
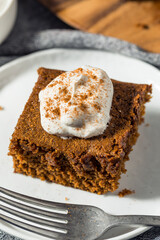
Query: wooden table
134	21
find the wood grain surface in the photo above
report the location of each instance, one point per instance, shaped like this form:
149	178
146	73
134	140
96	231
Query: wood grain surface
135	21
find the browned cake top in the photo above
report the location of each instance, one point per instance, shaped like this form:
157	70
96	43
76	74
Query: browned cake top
125	111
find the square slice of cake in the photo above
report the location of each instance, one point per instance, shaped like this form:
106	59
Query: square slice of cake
94	164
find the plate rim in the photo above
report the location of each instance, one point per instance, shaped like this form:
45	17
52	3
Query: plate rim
22	59
14	232
42	52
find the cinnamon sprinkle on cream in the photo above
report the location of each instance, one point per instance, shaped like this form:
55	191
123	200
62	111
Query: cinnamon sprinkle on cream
97	106
67	98
83	107
75	103
56	111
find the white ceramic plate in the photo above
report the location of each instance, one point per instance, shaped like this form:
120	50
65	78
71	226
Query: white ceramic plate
18	78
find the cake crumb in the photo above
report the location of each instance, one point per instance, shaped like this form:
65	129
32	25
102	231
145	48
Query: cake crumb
1	108
67	199
147	125
125	192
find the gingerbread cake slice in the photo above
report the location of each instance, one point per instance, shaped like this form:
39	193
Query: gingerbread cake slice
92	164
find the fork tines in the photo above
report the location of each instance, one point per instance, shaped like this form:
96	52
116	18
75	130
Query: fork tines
27	213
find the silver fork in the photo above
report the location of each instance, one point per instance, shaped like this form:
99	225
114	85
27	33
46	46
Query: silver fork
66	221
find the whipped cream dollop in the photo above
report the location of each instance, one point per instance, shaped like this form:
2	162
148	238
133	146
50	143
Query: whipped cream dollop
77	103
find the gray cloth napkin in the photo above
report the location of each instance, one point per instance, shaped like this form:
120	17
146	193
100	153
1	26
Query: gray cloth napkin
33	31
46	39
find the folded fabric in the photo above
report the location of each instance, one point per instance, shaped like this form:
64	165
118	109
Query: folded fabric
34	41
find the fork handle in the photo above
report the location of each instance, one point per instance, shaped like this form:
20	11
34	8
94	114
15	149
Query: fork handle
136	220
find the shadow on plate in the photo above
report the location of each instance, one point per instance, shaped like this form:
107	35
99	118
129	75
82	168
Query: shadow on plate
146	155
143	168
115	232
